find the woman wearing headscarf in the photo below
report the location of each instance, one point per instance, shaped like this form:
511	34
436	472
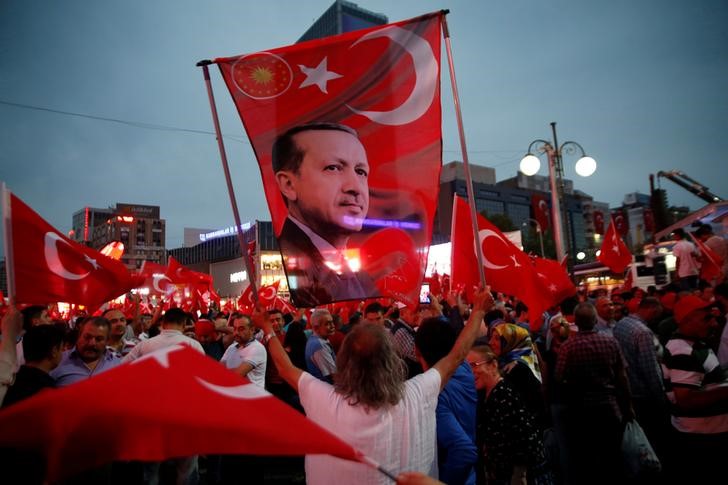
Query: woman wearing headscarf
519	362
512	443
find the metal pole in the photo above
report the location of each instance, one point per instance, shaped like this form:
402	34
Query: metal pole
562	196
8	243
555	204
226	169
540	237
463	148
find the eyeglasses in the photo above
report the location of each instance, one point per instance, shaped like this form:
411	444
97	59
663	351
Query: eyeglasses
473	365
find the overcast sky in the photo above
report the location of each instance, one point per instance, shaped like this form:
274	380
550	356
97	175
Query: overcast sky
641	85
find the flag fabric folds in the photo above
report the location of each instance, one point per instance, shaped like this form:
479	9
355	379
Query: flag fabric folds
614	252
507	269
174	402
382	82
48	267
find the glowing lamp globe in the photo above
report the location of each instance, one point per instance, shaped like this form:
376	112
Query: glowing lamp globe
530	164
585	166
580	255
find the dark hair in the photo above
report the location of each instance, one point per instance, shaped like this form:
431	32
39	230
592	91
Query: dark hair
585	316
679	232
394	314
374	307
275	311
434	339
721	290
39	342
175	316
704	229
31	312
568	305
287	155
494	315
649	302
96	321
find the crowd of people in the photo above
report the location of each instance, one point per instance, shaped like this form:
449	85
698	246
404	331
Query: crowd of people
461	392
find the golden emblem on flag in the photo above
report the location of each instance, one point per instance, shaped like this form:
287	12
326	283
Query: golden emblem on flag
262	75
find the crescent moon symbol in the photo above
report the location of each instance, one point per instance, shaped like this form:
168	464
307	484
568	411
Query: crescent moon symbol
482	236
267	293
542	205
156	279
54	262
243	391
426	78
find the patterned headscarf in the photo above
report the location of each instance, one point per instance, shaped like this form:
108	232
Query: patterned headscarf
516	345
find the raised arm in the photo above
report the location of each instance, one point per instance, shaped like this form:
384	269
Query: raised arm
446	366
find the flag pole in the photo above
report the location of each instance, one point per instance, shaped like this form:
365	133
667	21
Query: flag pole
710	258
373	463
463	148
226	169
8	243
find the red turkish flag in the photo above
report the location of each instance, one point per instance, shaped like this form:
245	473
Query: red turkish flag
156	279
599	222
710	263
628	280
266	296
621	223
614	252
541	211
507	269
384	83
182	275
554	279
48	267
128	408
283	305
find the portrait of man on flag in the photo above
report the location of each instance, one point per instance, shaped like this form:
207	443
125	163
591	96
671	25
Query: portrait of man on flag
347	134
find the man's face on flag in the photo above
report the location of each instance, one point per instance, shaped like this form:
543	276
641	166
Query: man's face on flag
329	192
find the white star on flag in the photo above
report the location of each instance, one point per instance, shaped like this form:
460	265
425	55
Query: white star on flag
516	264
552	288
319	75
91	261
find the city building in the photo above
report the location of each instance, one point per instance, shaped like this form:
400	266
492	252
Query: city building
340	17
218	254
138	227
85	220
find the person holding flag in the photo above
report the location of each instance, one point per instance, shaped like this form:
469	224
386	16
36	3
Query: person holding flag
371	402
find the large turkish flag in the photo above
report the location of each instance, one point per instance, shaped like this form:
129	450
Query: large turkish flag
384	83
171	403
507	269
48	267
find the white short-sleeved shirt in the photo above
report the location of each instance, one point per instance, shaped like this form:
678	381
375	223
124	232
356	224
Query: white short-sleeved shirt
400	438
252	353
688	262
166	338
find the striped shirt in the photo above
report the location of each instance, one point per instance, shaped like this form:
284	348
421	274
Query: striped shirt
692	364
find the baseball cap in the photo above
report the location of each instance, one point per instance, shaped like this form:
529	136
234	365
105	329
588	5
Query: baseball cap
687	305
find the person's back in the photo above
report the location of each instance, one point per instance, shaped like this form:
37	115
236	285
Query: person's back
173	323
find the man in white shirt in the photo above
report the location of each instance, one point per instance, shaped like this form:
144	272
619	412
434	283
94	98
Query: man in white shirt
247	356
687	263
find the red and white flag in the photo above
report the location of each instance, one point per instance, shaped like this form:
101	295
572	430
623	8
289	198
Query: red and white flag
614	253
266	296
507	269
384	83
156	279
129	407
46	266
554	279
599	222
540	208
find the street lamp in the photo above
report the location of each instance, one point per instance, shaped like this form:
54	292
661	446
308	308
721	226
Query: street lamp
530	165
538	230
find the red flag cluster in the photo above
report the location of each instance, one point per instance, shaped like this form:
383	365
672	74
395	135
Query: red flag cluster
711	265
540	283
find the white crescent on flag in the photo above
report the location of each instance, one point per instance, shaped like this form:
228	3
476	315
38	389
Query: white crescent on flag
426	77
243	391
484	234
54	262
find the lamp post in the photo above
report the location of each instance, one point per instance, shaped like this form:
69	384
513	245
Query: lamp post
540	233
530	164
